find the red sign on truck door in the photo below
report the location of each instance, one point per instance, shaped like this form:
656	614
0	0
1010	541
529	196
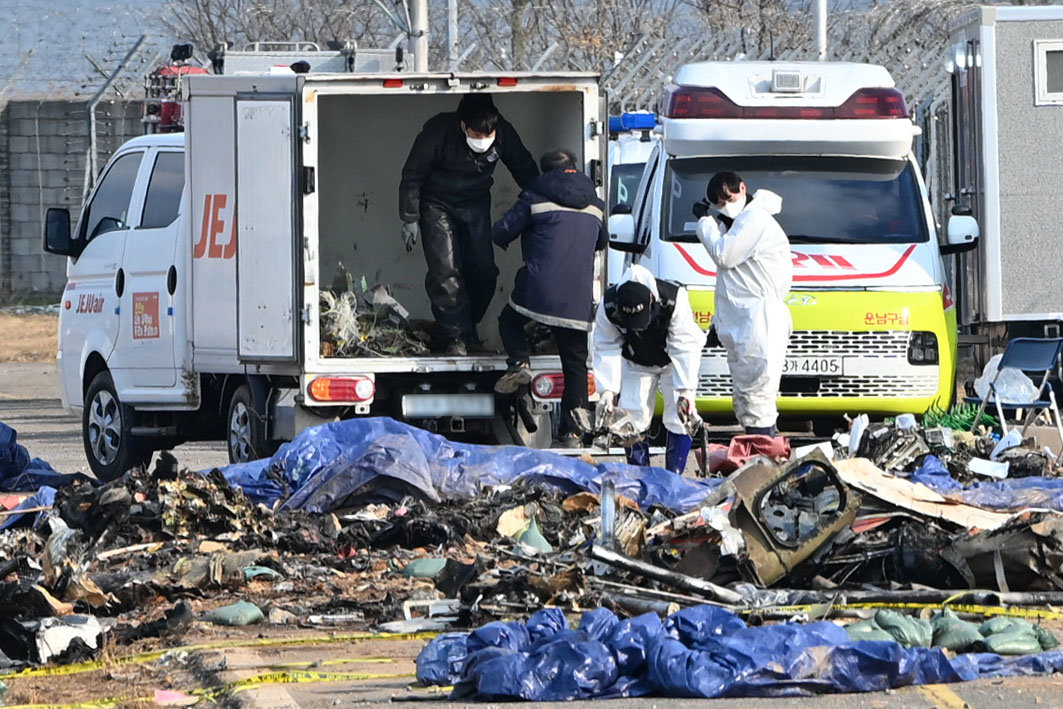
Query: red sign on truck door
145	316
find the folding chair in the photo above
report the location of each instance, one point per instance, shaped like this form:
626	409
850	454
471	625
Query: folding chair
1032	355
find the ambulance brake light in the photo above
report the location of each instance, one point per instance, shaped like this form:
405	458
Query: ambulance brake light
705	102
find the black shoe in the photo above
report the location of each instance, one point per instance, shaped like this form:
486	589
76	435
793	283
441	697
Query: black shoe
456	348
513	378
569	440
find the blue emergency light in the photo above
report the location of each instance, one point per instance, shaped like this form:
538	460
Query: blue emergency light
632	121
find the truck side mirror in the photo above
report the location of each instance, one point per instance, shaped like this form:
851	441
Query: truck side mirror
962	231
622	234
621	209
57	232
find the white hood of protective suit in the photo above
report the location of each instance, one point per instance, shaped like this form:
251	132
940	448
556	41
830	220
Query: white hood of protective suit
767	201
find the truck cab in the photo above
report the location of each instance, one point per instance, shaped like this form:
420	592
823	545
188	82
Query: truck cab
874	323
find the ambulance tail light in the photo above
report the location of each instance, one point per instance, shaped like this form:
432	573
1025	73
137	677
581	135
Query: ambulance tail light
353	389
703	102
874	103
552	386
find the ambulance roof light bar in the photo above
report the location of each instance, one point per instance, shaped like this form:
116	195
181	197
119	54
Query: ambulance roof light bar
710	102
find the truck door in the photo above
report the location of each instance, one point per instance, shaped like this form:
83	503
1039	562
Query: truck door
145	352
267	232
95	277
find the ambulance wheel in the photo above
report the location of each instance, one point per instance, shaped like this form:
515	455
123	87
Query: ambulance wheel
246	428
105	426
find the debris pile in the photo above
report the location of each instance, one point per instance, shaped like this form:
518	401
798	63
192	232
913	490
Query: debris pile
372	324
375	524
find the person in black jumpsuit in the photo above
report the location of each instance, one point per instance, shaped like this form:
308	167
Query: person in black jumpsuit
445	199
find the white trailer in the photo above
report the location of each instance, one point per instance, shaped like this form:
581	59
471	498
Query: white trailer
1007	108
197	265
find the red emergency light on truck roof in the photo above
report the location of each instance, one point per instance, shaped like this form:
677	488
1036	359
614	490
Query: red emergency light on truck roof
710	102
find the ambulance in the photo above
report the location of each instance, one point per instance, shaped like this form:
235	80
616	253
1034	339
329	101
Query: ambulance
874	322
632	137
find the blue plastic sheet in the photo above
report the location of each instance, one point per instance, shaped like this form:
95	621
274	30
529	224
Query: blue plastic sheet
1010	494
933	473
699	652
45	497
20	473
336	464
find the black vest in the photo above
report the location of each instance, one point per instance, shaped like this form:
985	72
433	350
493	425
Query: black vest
648	347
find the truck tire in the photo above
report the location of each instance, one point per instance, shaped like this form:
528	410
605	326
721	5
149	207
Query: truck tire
245	435
105	427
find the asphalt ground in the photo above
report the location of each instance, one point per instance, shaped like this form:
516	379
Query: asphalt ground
29	402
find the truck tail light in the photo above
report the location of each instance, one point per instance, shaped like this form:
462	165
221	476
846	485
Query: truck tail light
392	83
709	102
552	385
507	81
922	348
354	389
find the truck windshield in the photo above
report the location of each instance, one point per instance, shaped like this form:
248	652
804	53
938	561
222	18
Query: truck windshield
624	183
838	200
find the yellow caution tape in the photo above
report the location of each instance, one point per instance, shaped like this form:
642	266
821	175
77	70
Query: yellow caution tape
93	665
229	688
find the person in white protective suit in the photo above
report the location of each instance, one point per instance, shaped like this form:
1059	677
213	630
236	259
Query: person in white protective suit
754	271
645	338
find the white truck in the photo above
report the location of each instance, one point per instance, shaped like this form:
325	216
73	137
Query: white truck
196	268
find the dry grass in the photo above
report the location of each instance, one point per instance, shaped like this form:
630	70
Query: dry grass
28	338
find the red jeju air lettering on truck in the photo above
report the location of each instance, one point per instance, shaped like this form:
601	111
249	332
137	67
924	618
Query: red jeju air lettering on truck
90	303
213	227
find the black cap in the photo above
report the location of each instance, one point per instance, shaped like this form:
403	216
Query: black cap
633	302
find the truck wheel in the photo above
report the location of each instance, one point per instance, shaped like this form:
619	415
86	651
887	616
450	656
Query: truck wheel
246	428
105	424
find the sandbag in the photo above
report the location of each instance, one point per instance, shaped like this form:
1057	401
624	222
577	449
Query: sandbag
1013	642
909	632
953	633
1004	624
867	630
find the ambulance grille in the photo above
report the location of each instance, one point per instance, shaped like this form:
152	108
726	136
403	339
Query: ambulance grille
825	343
873	387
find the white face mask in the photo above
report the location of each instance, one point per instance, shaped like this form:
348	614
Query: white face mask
733	209
480	145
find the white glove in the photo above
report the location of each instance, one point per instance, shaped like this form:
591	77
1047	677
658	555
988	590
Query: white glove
604	409
688	414
411	231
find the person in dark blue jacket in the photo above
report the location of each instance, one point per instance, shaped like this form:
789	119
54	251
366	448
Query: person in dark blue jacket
561	222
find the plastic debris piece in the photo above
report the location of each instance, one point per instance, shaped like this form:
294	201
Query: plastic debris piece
988	468
534	538
1011	440
424	568
253	572
239	613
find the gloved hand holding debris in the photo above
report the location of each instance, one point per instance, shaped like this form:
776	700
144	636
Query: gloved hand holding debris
688	415
604	410
411	232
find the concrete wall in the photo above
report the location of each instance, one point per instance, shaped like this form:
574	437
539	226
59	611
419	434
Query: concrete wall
1030	141
43	153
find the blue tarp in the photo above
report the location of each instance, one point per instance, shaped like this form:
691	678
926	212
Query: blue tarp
20	473
1011	494
703	651
333	465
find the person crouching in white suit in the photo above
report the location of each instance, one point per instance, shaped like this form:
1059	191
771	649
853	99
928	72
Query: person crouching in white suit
645	338
754	271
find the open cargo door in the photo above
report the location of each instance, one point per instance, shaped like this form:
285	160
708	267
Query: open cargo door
266	263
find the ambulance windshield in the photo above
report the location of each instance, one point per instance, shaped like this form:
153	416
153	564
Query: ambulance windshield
624	183
836	200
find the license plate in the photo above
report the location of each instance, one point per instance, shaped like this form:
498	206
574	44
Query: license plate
416	406
814	366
